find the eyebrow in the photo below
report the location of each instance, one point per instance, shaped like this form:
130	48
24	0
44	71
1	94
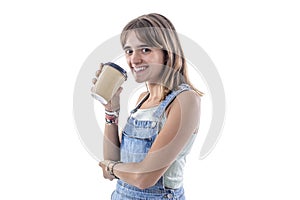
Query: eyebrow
138	47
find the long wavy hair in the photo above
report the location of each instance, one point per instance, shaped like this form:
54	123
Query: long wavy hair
157	31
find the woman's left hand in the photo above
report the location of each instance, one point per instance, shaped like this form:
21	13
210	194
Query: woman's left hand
103	164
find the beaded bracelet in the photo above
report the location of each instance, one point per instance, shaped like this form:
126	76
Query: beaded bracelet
111	117
107	166
111	170
111	121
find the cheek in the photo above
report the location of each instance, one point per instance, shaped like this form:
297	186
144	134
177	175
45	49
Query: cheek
128	60
161	57
155	59
160	60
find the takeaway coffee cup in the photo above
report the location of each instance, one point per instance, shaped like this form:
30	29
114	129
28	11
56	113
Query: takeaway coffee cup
111	78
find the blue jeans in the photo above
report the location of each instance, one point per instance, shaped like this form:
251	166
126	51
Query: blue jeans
125	191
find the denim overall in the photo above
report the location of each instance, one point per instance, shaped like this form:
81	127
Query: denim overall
137	138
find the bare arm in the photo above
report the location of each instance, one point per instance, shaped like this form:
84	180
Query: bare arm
182	121
111	144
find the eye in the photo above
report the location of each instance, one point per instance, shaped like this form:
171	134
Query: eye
146	50
128	51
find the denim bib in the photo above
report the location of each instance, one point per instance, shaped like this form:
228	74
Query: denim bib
137	139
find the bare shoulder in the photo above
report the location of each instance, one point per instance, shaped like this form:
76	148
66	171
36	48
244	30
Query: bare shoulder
189	95
187	100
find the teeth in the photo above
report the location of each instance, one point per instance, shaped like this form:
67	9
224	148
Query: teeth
138	69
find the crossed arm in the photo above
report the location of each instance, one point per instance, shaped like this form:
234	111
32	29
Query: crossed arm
182	121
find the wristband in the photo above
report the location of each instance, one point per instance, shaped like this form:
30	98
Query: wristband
112	113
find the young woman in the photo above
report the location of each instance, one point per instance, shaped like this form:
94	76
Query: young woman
148	158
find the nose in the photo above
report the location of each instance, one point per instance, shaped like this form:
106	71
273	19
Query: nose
136	58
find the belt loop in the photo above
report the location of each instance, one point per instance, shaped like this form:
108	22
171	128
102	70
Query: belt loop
163	182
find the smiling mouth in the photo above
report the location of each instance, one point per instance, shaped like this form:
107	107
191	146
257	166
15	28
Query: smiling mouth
139	69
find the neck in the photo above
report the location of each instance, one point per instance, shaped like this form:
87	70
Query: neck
155	92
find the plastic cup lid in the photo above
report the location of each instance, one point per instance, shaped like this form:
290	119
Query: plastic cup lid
117	67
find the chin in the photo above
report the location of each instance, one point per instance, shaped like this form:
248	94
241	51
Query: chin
139	81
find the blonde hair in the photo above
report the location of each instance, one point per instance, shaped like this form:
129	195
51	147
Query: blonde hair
157	31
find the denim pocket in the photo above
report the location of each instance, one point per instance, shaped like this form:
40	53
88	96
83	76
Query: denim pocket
135	149
137	139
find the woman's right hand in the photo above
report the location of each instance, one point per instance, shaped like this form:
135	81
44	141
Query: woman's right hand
114	103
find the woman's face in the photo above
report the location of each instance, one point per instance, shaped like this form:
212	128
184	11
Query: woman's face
145	62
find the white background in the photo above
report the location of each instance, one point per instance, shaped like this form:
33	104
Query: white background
254	45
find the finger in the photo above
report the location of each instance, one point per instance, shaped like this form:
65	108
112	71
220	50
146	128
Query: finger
104	163
108	177
101	164
94	80
98	73
119	91
101	66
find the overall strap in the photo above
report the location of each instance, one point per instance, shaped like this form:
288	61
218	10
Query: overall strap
140	103
168	100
